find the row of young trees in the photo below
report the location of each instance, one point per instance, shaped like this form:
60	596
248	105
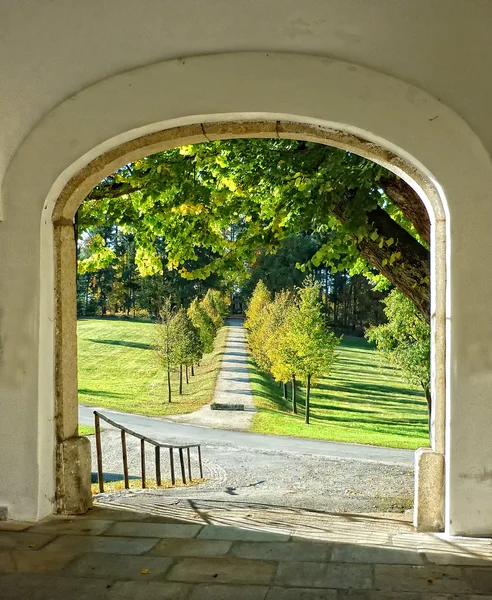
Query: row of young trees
184	336
289	338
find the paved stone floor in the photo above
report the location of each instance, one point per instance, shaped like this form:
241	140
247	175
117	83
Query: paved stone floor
119	554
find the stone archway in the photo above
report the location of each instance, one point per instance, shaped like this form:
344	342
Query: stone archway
73	452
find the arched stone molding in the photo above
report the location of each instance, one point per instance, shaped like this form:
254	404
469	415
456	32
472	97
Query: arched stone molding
375	115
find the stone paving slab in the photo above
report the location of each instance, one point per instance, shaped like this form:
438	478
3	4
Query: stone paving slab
109	545
13	526
154	530
137	590
43	587
350	553
293	551
225	570
229	592
301	594
95	565
24	561
117	566
192	548
220	532
12	540
324	575
423	579
75	526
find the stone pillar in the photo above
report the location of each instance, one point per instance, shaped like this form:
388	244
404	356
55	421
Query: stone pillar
429	490
429	462
73	454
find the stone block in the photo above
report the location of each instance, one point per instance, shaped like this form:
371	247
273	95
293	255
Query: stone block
194	547
228	592
429	490
154	530
300	594
108	545
349	553
13	540
225	570
220	532
295	551
76	526
74	493
324	575
116	566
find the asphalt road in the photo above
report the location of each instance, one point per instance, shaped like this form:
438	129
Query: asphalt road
167	431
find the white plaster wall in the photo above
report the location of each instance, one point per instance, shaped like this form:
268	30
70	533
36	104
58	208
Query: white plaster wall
389	112
50	50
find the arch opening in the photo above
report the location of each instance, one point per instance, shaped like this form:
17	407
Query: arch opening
71	496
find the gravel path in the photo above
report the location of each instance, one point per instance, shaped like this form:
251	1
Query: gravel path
232	388
275	477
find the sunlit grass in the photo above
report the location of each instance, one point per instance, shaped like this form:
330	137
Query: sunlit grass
118	370
362	401
86	430
135	483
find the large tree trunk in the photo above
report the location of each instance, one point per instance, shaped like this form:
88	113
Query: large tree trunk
412	207
410	272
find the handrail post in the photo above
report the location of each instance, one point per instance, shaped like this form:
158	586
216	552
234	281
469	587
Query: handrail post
158	465
171	463
125	459
189	463
99	453
142	460
181	460
200	461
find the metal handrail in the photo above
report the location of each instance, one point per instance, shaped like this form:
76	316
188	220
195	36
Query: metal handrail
157	445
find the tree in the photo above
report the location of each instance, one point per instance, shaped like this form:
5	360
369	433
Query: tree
187	344
312	346
232	197
271	332
166	343
405	341
215	307
202	321
255	316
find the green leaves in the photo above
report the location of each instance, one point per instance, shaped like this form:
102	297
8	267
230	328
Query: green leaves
404	340
289	336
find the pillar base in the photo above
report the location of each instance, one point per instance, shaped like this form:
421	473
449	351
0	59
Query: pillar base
73	486
429	490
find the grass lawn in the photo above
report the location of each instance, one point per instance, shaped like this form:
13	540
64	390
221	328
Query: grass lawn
86	430
117	370
362	401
